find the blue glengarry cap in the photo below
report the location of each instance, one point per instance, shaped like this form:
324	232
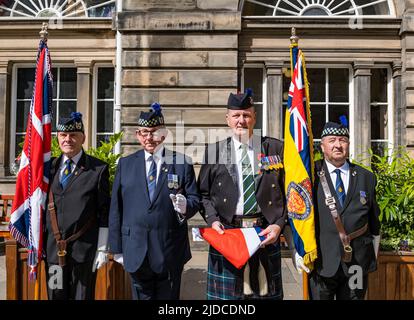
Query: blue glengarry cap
152	118
240	101
72	124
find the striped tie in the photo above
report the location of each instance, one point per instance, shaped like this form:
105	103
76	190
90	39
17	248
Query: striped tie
152	178
339	187
250	203
67	173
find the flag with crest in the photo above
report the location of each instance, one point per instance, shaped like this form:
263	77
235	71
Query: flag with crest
298	158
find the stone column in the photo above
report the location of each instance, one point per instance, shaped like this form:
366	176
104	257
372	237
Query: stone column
362	110
4	119
84	97
399	109
274	98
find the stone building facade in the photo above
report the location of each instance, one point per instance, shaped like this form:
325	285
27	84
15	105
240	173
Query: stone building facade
189	54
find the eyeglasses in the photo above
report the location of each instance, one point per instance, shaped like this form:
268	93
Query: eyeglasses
147	133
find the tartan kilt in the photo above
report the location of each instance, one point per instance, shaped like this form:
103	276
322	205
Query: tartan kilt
225	282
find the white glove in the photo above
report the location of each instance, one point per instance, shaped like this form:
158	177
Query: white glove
101	256
119	257
300	265
376	245
179	202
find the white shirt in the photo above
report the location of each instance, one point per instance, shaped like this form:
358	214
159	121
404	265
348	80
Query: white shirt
158	158
238	152
344	174
74	163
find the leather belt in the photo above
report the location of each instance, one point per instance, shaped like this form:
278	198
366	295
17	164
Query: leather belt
331	204
256	220
62	243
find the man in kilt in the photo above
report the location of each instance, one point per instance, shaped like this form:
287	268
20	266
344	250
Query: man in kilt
242	185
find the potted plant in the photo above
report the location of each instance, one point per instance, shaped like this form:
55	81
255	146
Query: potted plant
394	278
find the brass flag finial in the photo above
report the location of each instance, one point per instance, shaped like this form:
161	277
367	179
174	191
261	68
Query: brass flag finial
294	39
43	33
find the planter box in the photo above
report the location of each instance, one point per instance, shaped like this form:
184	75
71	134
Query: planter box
394	278
112	282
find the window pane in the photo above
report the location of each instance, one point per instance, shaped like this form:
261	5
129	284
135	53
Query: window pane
338	85
379	147
103	138
22	113
253	78
286	85
25	83
318	120
19	144
379	122
67	83
105	116
379	85
66	107
54	115
316	78
105	83
336	111
259	116
55	78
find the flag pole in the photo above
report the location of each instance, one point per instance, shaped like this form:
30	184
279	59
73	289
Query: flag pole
43	35
294	41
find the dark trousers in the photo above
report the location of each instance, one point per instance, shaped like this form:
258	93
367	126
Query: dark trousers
148	285
78	281
322	288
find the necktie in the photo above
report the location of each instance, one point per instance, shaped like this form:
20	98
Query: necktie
152	178
339	187
67	173
250	203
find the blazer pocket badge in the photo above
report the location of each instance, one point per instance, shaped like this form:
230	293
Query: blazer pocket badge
268	163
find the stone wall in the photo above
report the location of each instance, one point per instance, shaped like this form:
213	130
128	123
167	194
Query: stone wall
182	54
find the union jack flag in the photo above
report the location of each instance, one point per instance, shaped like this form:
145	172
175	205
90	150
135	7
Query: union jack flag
29	204
297	105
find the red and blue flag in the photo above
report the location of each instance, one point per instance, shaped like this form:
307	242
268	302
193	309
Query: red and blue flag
26	221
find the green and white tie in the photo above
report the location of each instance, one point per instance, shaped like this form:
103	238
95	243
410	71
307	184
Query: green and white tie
250	203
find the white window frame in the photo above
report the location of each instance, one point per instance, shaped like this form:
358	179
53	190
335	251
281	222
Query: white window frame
263	103
391	6
390	106
14	101
95	102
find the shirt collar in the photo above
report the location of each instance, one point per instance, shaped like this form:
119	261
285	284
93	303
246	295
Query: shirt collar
237	143
158	153
331	168
74	159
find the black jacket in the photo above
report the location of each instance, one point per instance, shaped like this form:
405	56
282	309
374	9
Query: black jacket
354	215
86	194
219	187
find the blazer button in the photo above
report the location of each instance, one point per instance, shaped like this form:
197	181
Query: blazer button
219	184
273	185
225	200
270	203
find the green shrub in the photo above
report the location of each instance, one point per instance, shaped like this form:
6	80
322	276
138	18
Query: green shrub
395	195
103	152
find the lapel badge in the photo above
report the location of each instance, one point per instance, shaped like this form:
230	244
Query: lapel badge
354	173
363	197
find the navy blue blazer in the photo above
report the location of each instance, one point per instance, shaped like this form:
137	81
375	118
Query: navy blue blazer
138	227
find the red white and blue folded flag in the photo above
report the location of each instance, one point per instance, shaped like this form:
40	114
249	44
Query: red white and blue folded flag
236	245
26	221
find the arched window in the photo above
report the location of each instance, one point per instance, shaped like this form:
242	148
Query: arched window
30	9
318	8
